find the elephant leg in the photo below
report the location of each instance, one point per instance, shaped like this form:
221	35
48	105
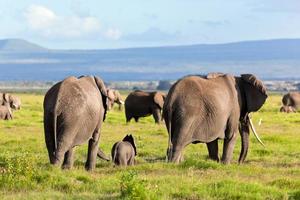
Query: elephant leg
228	147
131	161
92	152
64	143
128	116
69	159
213	150
176	155
49	138
244	132
156	115
136	119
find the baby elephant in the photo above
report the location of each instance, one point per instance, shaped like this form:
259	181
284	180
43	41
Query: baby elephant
123	152
5	112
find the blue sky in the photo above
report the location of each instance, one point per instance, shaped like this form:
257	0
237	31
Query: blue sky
98	24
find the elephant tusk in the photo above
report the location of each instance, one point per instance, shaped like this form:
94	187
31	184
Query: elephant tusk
122	102
260	120
254	131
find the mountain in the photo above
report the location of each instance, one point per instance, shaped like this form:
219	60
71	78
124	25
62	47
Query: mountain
269	59
19	45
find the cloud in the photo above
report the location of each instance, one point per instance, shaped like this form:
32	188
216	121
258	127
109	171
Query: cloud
152	34
210	23
292	6
47	23
113	33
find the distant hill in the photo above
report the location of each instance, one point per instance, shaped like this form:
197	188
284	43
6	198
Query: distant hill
19	45
269	59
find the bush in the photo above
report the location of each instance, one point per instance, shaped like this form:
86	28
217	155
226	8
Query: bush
131	187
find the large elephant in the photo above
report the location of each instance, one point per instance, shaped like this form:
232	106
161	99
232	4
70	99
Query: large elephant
141	104
291	102
205	109
74	110
13	101
114	96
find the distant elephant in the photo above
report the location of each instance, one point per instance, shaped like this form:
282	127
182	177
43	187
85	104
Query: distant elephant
288	109
5	112
74	110
123	152
291	99
114	96
14	102
205	109
141	104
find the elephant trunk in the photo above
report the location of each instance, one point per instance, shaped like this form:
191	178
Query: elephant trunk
102	156
244	131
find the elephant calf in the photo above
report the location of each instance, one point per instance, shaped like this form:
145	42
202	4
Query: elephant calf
5	112
123	152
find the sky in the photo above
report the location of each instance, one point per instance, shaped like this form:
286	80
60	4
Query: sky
102	24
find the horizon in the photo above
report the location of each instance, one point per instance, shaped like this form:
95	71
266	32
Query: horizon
116	24
140	47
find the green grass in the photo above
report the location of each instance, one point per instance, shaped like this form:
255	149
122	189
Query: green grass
272	172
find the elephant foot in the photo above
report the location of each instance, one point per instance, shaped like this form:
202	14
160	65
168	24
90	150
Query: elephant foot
214	158
89	169
225	161
67	167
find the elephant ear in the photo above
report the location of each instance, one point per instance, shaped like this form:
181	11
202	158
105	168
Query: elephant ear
6	97
111	95
255	92
103	92
130	139
159	99
117	95
214	75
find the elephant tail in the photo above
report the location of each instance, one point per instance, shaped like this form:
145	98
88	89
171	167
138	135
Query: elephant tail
55	129
114	152
167	114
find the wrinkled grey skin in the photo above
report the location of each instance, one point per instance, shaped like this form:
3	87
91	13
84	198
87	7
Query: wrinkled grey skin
205	109
291	102
288	109
141	104
14	102
114	96
74	110
123	152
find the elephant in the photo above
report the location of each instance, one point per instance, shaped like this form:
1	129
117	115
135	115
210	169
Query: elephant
114	96
5	112
123	152
74	110
292	101
14	102
288	109
205	109
141	104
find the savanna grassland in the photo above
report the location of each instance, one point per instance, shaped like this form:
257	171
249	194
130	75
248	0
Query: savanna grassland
272	172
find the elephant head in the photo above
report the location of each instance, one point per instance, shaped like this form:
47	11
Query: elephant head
130	139
13	101
159	99
253	96
114	96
